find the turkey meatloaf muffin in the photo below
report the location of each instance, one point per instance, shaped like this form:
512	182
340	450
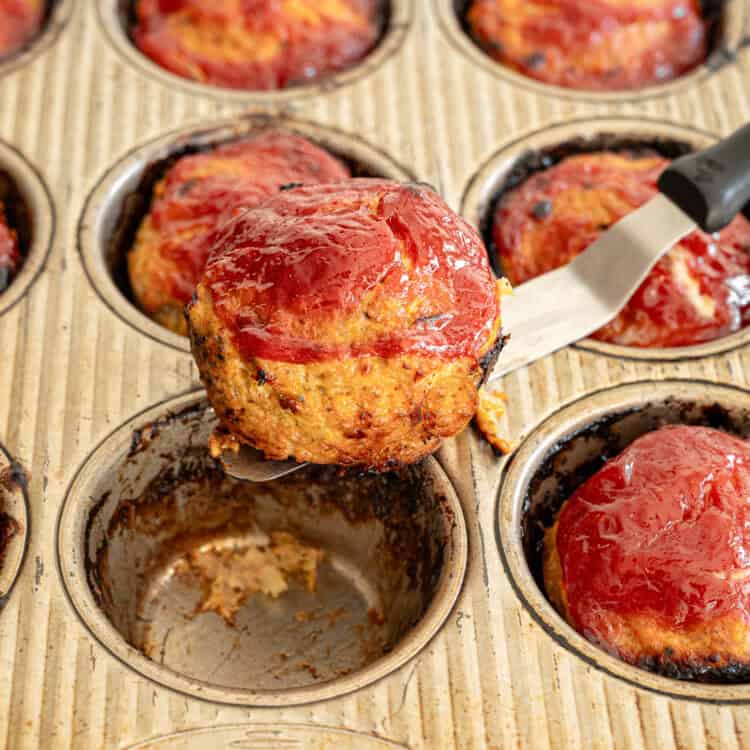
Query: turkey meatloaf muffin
257	44
650	558
696	293
10	256
20	22
196	195
592	44
346	324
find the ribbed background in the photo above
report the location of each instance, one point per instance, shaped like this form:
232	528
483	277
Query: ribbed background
70	371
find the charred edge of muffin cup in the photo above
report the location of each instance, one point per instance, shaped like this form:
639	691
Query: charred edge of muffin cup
149	504
539	160
558	457
119	202
56	16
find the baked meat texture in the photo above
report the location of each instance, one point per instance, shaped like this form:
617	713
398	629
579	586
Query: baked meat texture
20	22
256	44
199	193
10	256
649	558
593	45
698	292
346	324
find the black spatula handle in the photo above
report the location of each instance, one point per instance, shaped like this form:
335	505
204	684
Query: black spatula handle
712	186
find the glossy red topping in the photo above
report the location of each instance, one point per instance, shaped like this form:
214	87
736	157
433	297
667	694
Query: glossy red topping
699	292
204	190
20	21
361	267
663	530
256	44
10	257
593	44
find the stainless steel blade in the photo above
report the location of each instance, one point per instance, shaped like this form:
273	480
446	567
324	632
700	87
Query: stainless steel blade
250	465
563	306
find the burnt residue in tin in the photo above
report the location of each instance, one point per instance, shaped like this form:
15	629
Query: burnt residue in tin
534	161
19	219
12	478
573	461
137	204
151	551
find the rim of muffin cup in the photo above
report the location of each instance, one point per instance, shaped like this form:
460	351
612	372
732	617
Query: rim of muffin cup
33	203
729	36
104	209
589	418
115	17
184	419
485	188
57	17
15	503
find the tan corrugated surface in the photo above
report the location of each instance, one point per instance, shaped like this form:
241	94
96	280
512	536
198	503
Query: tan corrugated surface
70	371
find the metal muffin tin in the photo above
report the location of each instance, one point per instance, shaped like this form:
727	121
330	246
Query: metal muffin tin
102	218
558	456
138	511
493	178
78	361
115	17
729	34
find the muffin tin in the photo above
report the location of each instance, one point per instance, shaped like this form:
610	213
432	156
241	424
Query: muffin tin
98	400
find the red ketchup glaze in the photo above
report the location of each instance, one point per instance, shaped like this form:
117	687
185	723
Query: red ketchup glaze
20	21
593	44
256	44
659	314
663	530
285	274
10	256
204	190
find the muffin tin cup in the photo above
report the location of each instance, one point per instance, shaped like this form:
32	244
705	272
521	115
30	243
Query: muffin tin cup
394	566
113	17
103	212
58	17
559	455
731	36
14	503
31	191
481	193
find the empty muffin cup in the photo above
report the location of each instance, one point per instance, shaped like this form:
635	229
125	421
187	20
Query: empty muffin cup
118	19
725	24
117	205
561	454
536	152
268	594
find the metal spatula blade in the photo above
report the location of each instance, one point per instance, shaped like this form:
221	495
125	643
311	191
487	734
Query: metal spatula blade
251	466
570	303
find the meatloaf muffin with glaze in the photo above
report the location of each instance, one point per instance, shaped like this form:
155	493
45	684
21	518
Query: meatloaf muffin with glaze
700	291
196	195
650	558
20	22
10	255
595	45
257	44
346	324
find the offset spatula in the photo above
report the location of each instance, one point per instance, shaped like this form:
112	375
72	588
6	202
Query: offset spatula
707	189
